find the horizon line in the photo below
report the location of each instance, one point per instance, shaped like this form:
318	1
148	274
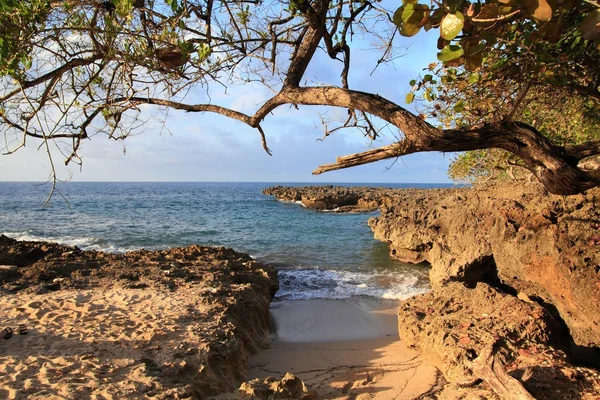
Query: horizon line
279	181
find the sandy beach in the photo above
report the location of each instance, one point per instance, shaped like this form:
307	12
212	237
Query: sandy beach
344	349
125	343
168	324
98	344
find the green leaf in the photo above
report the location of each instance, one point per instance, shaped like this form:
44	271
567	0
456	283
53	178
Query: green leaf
427	78
204	51
123	7
413	82
410	98
451	25
458	107
450	52
474	78
173	4
26	62
410	18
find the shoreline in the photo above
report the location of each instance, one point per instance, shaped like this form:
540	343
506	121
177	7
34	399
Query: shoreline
513	310
333	320
494	313
343	349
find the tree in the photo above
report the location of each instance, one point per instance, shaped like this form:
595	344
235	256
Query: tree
74	68
545	73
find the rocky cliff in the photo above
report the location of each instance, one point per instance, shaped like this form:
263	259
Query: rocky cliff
515	274
541	247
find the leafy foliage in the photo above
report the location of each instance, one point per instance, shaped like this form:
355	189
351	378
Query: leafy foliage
20	21
481	28
562	116
532	61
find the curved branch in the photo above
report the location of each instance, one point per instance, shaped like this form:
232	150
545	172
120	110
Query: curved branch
554	166
187	107
583	150
227	112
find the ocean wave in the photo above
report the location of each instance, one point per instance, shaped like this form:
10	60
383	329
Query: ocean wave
84	243
315	283
298	202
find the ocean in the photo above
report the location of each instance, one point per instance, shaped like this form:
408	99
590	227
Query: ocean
318	254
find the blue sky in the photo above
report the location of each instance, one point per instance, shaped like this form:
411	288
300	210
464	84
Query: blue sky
205	147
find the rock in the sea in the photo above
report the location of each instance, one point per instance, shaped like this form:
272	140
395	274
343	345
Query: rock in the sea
289	387
331	198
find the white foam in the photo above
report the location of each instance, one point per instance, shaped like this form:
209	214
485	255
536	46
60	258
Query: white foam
292	202
304	284
332	210
295	284
84	243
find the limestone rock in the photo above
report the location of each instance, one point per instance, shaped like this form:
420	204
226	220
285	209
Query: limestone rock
517	237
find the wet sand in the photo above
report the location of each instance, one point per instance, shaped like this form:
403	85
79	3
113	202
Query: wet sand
344	349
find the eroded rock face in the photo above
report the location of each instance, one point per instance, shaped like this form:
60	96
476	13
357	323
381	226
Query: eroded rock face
228	315
515	274
541	246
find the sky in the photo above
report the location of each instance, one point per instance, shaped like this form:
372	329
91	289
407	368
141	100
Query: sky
213	148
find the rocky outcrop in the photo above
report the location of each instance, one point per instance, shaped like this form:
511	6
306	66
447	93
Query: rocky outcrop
542	247
493	344
515	274
227	319
331	198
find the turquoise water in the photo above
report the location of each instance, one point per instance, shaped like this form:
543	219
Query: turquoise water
318	254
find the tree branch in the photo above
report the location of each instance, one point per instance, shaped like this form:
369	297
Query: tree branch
130	101
76	62
552	165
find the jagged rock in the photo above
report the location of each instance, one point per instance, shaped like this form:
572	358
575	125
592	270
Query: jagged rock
484	334
515	273
289	387
543	246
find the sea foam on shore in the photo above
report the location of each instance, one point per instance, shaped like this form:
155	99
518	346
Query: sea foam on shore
316	283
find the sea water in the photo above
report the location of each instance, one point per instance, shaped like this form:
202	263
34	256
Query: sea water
318	254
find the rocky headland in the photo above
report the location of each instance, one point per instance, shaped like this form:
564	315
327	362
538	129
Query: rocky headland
514	311
331	198
177	323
